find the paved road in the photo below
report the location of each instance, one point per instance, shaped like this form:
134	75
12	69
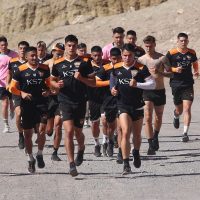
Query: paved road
174	173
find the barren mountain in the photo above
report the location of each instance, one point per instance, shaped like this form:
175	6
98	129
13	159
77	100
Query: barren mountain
164	21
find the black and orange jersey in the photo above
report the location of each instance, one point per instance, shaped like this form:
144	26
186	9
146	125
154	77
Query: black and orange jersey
185	60
32	81
96	94
74	91
42	60
130	96
139	51
14	64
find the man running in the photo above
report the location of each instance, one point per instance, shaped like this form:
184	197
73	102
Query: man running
181	60
70	76
12	68
131	79
32	81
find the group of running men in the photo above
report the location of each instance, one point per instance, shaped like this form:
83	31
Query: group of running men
119	84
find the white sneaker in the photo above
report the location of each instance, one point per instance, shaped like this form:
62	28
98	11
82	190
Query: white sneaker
6	129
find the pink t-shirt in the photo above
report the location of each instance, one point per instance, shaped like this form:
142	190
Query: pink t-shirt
106	51
4	61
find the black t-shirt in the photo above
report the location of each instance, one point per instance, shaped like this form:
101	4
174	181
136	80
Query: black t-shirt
74	91
130	96
32	81
184	60
14	64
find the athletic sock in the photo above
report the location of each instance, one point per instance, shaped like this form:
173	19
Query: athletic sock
104	139
5	122
30	157
135	152
126	162
185	129
55	151
39	153
96	141
156	134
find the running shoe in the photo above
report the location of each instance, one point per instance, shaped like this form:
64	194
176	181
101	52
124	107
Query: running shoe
40	161
97	150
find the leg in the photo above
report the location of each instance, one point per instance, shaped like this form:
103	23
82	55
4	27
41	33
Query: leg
4	104
49	127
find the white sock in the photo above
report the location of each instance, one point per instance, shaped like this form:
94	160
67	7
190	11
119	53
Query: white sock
39	152
185	129
104	139
96	141
5	122
30	157
115	132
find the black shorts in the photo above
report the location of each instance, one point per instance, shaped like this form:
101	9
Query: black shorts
133	113
33	113
109	108
16	100
95	110
158	97
53	107
181	94
4	93
73	112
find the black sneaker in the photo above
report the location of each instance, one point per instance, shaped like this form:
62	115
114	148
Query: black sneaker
155	144
110	148
151	150
126	170
55	157
176	122
105	145
185	138
21	142
137	160
72	169
31	166
115	141
79	158
40	161
97	150
119	158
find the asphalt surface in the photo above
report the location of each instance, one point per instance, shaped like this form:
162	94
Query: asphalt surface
173	173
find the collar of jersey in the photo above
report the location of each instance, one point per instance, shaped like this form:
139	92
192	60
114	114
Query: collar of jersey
127	68
71	60
181	51
31	67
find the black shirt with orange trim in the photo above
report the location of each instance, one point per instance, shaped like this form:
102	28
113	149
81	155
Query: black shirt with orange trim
33	81
14	64
130	96
74	91
184	60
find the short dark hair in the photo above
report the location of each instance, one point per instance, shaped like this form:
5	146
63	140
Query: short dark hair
182	35
149	38
128	47
71	38
41	44
81	45
96	49
23	43
115	52
29	49
3	39
119	30
131	32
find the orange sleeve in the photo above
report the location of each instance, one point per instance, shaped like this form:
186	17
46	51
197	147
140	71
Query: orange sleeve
195	66
47	82
100	83
14	88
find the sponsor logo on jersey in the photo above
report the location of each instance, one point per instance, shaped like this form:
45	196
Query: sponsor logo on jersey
27	74
77	64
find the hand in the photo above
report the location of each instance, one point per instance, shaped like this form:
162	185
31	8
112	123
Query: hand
133	83
114	92
179	70
26	96
196	75
46	93
77	75
60	84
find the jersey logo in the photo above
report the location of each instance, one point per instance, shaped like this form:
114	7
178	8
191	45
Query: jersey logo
15	66
77	64
189	57
119	73
68	73
41	74
34	81
64	66
27	74
124	81
35	75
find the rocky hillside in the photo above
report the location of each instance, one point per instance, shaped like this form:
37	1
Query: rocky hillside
18	16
